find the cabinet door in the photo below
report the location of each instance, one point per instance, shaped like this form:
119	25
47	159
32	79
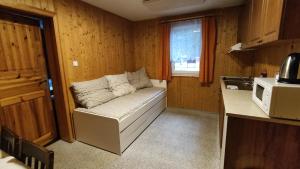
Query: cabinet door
244	23
272	18
256	22
221	117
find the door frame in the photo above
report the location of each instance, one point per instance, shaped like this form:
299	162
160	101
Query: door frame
55	64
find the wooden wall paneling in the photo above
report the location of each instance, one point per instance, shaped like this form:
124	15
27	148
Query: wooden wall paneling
65	33
147	46
64	38
98	40
114	38
128	47
174	91
270	58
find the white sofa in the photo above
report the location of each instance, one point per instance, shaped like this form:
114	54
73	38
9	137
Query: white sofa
114	125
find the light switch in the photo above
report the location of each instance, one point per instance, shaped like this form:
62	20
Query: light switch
75	63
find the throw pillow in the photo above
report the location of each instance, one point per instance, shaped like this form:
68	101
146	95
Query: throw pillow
92	93
139	79
119	84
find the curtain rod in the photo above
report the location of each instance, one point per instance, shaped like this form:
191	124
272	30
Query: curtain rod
187	18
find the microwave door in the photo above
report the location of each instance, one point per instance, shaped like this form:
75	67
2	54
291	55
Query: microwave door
259	92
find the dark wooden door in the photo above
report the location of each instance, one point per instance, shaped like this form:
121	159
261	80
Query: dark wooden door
26	106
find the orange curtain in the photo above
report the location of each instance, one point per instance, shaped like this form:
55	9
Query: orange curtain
165	52
207	61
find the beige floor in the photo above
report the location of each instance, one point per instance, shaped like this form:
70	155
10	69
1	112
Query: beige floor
172	141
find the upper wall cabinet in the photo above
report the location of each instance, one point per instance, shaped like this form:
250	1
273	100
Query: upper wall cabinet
265	21
256	21
271	21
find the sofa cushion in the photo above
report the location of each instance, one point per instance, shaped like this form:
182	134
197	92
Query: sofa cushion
119	84
139	79
92	93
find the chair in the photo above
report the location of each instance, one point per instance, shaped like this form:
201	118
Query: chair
9	142
35	156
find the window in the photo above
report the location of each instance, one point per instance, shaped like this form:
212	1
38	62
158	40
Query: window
185	46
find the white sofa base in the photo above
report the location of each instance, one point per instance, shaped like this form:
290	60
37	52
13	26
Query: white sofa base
109	133
103	132
98	131
128	135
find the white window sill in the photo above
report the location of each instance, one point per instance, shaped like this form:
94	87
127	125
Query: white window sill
188	74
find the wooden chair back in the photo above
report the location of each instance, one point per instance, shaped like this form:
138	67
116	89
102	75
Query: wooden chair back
35	156
9	142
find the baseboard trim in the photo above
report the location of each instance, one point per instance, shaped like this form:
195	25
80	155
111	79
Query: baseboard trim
192	111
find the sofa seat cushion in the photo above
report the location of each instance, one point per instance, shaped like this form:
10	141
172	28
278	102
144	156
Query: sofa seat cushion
123	107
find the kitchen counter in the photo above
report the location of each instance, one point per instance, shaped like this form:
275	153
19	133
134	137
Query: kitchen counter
247	134
238	103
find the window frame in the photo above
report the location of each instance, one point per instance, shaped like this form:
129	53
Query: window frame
184	73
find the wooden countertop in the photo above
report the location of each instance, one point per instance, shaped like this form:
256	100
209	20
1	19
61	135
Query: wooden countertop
238	103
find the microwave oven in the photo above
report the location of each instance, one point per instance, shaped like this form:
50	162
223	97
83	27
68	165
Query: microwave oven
277	99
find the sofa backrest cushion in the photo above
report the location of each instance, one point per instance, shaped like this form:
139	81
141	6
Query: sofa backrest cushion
119	85
92	93
139	79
